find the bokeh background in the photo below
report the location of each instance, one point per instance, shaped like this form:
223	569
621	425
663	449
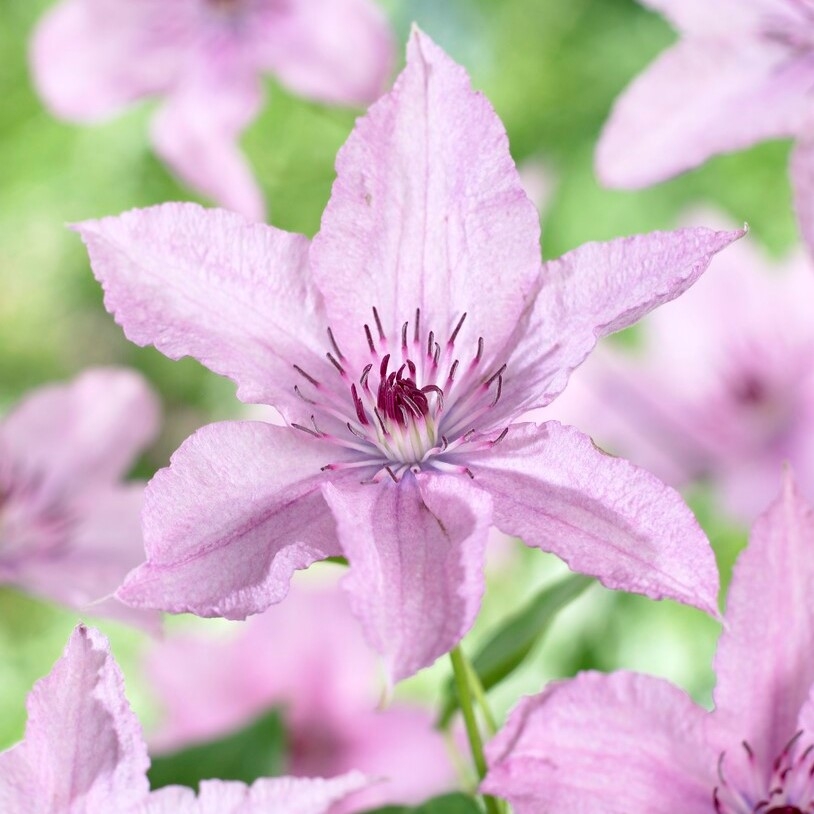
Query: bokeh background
552	69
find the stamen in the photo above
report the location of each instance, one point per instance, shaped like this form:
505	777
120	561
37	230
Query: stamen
304	398
499	390
369	336
479	354
404	336
451	340
392	475
304	374
436	355
336	364
496	375
339	353
430	340
356	432
365	374
305	429
378	324
452	370
417	324
501	436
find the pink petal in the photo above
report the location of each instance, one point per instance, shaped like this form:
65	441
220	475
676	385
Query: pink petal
802	179
83	749
428	212
700	98
605	517
78	436
104	543
89	58
416	550
764	662
338	51
196	131
593	291
620	744
208	284
227	524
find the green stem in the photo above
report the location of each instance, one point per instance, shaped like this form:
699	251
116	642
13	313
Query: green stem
461	671
480	696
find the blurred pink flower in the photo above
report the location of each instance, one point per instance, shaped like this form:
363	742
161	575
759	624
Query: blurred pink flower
741	72
84	753
399	454
69	529
307	656
92	58
628	743
722	386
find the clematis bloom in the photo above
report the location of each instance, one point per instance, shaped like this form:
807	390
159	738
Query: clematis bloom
628	743
741	72
721	387
205	59
401	345
84	752
69	529
306	656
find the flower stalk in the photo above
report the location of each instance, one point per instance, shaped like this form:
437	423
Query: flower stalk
463	673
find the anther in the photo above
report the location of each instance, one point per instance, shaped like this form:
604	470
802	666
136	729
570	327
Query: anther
499	390
381	422
391	473
479	354
452	370
304	398
501	436
365	374
436	355
356	432
417	328
451	340
378	324
359	407
404	336
496	375
336	364
430	340
370	342
339	353
305	375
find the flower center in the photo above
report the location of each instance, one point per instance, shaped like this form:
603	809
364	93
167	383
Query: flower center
789	790
413	404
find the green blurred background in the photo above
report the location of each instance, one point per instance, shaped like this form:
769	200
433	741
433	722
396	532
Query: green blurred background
552	69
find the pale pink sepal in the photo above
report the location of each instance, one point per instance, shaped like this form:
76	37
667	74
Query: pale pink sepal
416	551
83	750
172	280
226	525
764	661
428	211
605	517
617	744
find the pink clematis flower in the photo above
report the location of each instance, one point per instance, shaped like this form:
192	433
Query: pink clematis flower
69	529
307	656
84	753
628	743
742	72
91	58
401	345
722	386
